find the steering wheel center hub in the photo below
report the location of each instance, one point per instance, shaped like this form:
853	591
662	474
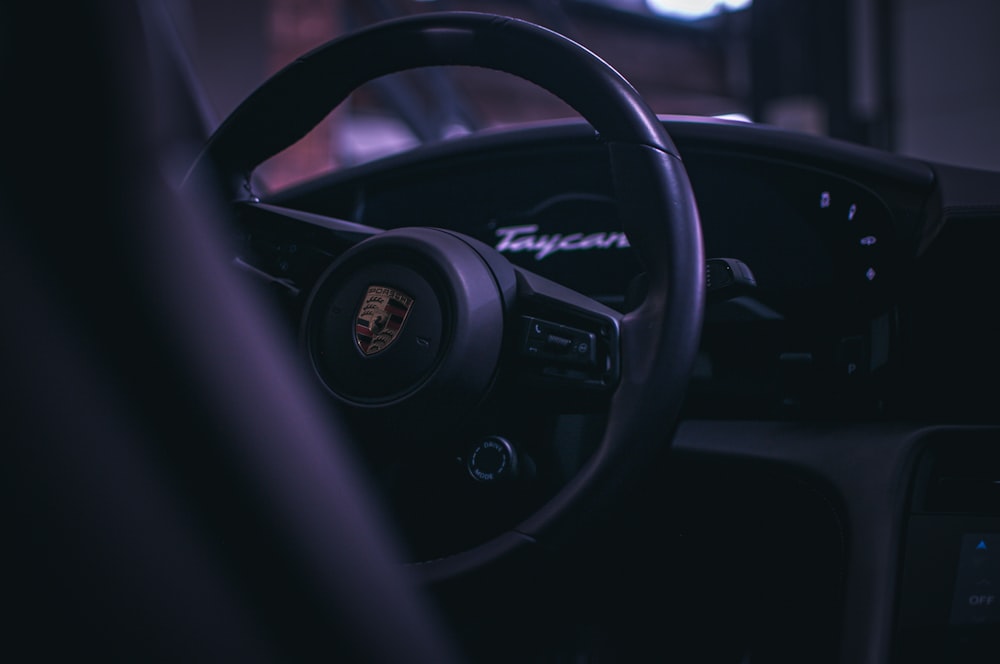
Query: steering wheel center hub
380	332
402	318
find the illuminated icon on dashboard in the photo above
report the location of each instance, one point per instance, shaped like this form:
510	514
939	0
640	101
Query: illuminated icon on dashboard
868	240
981	546
824	199
380	317
851	211
870	274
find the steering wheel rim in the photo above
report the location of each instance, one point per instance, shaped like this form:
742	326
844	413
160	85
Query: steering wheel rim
658	339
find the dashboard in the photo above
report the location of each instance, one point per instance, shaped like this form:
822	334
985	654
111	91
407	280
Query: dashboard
843	399
829	233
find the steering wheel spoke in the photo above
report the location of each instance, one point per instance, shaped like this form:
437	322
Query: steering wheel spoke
565	346
287	249
288	219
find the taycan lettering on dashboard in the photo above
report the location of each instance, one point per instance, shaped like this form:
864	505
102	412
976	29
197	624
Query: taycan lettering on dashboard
517	239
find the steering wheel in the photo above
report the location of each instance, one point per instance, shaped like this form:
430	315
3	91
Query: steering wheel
411	325
177	492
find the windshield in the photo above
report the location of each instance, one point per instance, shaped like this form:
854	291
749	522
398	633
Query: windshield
860	70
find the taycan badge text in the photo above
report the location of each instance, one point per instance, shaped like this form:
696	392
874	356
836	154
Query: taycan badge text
517	239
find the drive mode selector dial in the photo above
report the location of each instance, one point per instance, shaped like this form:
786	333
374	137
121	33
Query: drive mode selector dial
493	460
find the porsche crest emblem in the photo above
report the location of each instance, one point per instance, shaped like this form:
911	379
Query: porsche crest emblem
380	318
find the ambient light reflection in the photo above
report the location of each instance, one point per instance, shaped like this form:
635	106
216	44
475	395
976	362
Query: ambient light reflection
691	10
